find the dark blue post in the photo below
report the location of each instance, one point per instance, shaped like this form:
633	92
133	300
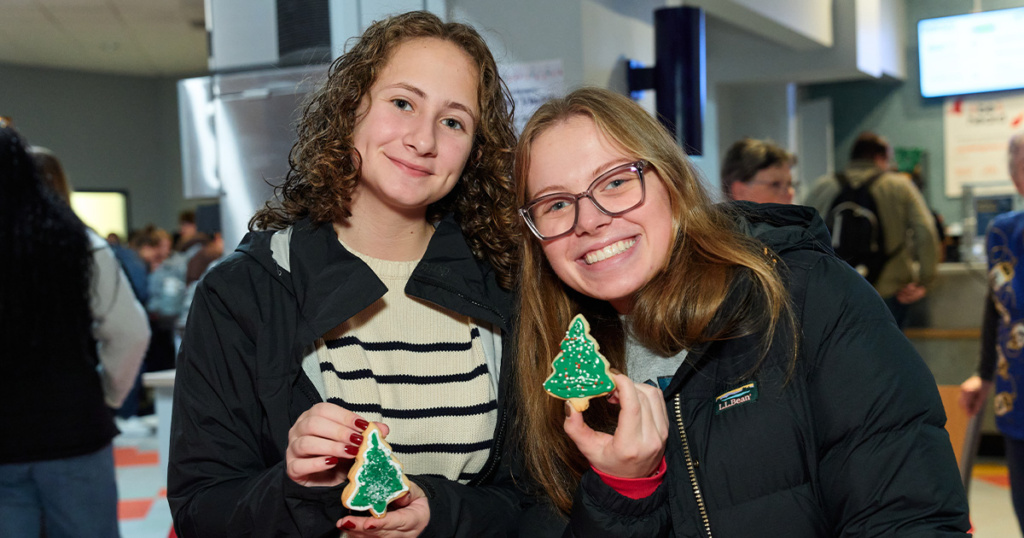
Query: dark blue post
679	74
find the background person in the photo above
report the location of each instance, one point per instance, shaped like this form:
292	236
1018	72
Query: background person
908	226
74	337
1001	363
376	292
758	171
788	390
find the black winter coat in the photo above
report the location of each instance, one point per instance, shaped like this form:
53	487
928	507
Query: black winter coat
240	386
852	445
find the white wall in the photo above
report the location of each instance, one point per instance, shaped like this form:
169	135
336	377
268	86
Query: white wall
795	24
528	31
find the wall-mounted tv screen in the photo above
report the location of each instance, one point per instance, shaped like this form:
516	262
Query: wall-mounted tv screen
972	53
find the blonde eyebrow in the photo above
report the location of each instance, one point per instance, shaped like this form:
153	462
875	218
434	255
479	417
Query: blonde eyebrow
609	166
600	170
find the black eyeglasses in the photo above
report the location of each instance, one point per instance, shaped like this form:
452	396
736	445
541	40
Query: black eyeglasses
613	193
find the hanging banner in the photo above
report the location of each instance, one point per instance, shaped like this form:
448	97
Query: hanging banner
977	131
532	84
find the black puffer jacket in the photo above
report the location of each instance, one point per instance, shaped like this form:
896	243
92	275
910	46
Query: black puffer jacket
852	445
240	385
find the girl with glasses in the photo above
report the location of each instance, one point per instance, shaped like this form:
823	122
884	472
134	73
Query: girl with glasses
766	390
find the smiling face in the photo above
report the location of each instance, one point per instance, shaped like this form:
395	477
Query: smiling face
608	258
416	129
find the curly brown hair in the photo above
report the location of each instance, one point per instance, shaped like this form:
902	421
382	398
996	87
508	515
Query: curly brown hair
325	166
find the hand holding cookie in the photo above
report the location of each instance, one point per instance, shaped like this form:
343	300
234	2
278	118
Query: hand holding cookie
638	445
322	444
407	517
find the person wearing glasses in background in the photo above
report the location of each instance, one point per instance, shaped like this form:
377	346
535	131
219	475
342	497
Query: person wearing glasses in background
758	171
766	390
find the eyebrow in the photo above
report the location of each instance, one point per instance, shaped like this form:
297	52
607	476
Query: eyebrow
447	104
598	172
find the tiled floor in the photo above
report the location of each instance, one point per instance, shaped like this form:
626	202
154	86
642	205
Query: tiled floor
144	513
142	508
989	496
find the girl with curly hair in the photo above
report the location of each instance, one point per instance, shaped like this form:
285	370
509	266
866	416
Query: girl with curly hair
374	289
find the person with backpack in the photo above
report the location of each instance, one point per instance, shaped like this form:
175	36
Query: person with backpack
880	224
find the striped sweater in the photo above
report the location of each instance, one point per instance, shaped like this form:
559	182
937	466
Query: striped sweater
418	368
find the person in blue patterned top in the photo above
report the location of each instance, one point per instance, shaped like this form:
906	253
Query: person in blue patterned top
1002	333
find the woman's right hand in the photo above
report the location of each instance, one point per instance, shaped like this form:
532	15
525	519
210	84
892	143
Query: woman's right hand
322	444
973	393
638	445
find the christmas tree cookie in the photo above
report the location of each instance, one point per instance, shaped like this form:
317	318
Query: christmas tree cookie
580	371
376	477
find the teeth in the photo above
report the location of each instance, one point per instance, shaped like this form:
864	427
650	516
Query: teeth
609	251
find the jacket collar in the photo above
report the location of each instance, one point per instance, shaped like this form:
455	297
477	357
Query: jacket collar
783	227
330	284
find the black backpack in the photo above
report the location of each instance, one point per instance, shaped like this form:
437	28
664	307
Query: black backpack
857	235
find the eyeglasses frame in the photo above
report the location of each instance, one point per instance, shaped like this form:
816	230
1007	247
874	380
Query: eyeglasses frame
770	185
524	211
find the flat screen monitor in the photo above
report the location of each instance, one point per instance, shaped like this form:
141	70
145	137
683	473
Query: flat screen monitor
972	53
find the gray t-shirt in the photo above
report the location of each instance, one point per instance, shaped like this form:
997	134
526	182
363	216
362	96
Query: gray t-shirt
646	366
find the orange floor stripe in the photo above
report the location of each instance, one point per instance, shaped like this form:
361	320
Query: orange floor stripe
991	473
133	508
129	455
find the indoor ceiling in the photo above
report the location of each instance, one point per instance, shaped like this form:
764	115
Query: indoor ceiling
129	37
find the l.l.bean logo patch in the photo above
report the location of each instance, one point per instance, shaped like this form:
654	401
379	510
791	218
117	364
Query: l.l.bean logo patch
736	397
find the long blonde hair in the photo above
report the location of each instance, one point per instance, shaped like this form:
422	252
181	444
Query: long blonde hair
682	306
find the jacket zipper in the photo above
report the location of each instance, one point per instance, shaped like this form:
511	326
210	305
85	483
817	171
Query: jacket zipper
690	468
495	454
492	461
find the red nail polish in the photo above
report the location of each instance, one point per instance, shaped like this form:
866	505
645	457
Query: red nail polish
370	526
362	424
348	525
331	461
349	449
356	439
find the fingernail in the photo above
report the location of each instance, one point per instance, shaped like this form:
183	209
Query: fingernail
568	409
615	371
362	424
356	439
370	526
349	449
348	525
331	461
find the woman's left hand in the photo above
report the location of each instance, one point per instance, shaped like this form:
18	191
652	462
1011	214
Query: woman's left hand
407	516
638	445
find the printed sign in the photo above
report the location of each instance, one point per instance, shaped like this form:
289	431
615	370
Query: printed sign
532	84
977	130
